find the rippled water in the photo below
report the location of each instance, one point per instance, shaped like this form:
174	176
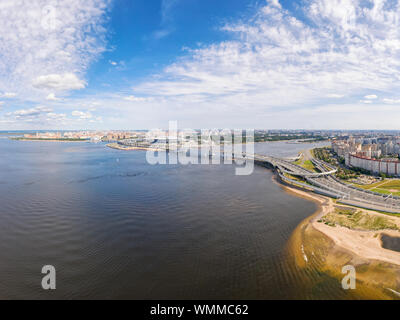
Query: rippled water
116	227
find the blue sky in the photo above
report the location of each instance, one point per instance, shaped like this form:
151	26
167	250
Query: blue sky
146	36
135	64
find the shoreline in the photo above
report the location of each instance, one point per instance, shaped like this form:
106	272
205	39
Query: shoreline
368	244
327	249
116	146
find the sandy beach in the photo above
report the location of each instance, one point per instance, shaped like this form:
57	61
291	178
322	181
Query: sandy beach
316	245
366	244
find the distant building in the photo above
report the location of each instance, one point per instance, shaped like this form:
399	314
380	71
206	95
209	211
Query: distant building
375	154
390	167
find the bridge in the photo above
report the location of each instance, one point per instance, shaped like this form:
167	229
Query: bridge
322	182
289	167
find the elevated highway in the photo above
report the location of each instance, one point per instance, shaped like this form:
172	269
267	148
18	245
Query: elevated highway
325	183
322	182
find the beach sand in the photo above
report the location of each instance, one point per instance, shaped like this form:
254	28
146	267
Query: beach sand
327	249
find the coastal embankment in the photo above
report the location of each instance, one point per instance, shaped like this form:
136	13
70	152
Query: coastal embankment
321	243
127	148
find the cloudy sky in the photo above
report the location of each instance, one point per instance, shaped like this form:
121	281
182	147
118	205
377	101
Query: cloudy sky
136	64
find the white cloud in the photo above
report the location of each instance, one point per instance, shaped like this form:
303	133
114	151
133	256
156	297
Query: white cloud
82	115
56	116
52	97
371	97
96	119
335	95
45	38
59	82
274	3
8	95
32	111
38	113
391	101
40	117
277	61
366	101
276	70
135	99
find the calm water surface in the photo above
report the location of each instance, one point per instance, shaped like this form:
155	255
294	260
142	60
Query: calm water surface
391	243
116	227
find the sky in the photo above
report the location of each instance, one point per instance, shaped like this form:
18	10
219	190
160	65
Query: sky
250	64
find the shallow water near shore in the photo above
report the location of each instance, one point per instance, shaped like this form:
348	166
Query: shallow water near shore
116	227
391	243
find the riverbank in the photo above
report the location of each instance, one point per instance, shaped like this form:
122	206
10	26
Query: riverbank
315	245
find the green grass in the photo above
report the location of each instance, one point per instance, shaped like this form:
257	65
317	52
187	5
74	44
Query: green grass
295	178
368	186
391	184
383	187
386	184
383	191
299	161
306	164
354	219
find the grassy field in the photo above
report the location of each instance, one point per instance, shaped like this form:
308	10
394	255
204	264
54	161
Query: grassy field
391	184
306	164
355	219
296	179
369	186
384	187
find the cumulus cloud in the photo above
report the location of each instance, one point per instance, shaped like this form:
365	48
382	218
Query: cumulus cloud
51	116
39	114
274	3
278	68
391	101
8	95
335	95
31	112
277	61
43	117
81	114
59	82
49	44
96	119
52	97
135	99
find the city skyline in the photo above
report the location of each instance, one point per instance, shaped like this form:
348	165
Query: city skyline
109	64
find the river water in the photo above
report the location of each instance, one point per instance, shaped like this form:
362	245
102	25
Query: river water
391	243
114	226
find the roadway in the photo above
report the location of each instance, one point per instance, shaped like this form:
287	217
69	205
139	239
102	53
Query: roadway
324	182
